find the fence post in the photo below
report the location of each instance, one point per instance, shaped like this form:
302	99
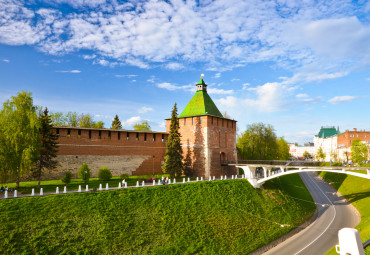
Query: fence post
106	186
57	190
65	189
41	192
33	192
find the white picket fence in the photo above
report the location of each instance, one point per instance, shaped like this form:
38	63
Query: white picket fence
162	181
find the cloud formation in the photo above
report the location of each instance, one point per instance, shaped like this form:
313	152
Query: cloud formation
341	99
221	34
68	71
145	109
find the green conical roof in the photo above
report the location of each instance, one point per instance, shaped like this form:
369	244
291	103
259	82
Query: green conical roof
201	82
201	104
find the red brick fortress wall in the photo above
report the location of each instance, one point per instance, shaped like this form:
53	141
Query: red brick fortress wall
123	151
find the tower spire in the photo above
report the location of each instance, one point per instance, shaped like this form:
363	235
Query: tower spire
201	85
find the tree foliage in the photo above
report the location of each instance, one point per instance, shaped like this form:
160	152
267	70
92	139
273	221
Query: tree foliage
283	149
259	142
144	126
306	154
74	119
359	151
116	123
321	154
18	136
48	146
173	160
67	177
84	173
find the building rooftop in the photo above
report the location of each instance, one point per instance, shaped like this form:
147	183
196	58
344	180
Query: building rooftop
327	132
201	103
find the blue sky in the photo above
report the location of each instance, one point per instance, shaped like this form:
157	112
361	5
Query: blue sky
297	65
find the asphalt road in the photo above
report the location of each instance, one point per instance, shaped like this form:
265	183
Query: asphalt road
322	234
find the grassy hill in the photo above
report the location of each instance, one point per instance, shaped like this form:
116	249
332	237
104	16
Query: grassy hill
218	217
357	191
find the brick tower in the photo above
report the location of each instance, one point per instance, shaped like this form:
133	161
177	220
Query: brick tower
208	139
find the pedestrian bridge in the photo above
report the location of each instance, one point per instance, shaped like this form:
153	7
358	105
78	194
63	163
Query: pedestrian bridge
257	174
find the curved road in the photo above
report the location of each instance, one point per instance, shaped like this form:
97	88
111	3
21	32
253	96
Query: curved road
322	234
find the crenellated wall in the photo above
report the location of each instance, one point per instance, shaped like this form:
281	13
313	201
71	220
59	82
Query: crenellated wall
122	151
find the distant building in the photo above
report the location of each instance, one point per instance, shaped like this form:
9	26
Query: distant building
297	151
336	145
345	140
327	140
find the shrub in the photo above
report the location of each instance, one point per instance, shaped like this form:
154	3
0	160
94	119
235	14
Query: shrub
104	174
124	176
84	173
67	177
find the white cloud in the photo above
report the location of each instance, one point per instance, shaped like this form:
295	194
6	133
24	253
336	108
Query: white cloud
219	91
125	75
145	109
89	56
152	79
235	79
69	71
217	75
174	66
131	121
301	95
167	85
245	85
100	116
6	60
270	97
341	99
368	79
172	87
219	34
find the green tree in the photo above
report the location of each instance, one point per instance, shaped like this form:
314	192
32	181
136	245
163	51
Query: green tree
144	126
73	119
84	173
259	142
86	121
48	146
306	154
58	119
116	123
99	124
283	149
173	160
321	154
67	177
18	136
359	151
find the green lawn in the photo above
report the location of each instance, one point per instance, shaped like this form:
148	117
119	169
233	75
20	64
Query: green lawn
218	217
357	191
